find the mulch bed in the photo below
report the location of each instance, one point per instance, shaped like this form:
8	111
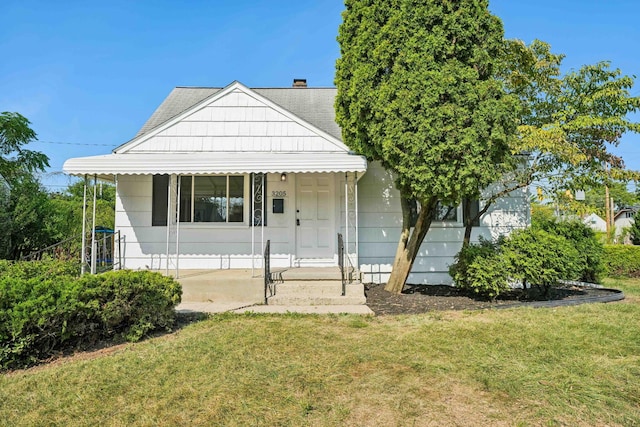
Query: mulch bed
416	299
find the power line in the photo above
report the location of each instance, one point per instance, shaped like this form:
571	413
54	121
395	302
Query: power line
76	143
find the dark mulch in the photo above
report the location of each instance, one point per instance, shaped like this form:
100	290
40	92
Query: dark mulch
416	299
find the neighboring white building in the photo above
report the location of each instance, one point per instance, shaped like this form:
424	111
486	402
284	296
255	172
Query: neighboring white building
192	184
595	222
623	219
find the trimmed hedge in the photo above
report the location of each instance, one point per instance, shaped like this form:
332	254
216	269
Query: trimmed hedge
42	316
532	257
622	260
584	239
44	269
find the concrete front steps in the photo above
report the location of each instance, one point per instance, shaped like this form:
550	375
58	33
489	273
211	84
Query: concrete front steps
316	293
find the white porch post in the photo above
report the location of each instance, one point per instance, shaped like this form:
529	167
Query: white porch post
253	224
178	228
168	224
346	216
93	227
257	195
83	254
357	260
262	196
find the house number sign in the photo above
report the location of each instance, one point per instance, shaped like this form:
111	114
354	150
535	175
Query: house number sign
279	194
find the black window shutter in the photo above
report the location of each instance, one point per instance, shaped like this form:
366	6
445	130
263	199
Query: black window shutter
159	200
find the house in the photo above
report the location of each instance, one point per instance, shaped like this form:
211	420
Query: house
623	219
595	222
216	172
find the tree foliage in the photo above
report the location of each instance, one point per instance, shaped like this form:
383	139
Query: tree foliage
635	230
24	227
15	133
567	126
416	92
66	219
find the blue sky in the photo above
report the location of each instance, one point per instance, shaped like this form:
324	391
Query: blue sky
89	74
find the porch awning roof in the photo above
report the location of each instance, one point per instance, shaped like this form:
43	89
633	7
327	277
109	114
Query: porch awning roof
199	163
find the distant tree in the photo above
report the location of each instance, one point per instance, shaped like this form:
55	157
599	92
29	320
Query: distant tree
24	228
15	133
634	232
23	201
66	219
416	92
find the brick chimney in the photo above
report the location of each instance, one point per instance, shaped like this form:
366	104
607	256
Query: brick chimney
299	82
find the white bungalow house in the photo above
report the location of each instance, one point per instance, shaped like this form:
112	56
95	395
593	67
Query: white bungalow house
216	172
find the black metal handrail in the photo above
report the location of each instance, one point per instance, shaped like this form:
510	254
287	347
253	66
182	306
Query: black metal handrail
65	249
268	281
341	264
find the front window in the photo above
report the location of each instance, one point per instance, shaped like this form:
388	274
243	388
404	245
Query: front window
445	213
218	199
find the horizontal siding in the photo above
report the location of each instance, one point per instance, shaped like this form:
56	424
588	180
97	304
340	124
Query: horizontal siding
201	245
380	219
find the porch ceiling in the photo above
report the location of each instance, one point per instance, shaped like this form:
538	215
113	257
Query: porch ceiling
200	163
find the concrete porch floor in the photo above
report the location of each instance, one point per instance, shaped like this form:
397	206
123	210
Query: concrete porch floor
216	291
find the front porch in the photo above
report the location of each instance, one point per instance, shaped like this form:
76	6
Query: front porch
308	290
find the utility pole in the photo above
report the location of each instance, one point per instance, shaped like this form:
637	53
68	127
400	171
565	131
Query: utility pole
607	208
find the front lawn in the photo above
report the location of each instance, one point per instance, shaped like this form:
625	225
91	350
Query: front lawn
567	366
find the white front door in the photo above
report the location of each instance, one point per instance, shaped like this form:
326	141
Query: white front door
315	217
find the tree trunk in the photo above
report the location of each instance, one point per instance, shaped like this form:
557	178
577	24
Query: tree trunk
468	222
409	244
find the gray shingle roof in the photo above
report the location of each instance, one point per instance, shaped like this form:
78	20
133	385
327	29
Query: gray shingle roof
180	99
314	105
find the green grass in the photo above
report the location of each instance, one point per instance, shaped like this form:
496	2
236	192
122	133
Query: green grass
566	366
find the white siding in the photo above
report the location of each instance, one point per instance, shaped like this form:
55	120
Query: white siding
380	219
201	245
229	246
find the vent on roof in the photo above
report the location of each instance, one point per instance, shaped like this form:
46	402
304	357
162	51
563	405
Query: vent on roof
299	82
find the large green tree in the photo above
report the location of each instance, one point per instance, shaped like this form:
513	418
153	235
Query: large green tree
417	92
567	126
25	222
15	133
23	201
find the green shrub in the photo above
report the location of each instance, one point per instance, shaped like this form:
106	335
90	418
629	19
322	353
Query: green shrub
539	258
634	230
488	276
531	256
40	316
130	304
37	316
459	270
44	269
622	260
584	239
